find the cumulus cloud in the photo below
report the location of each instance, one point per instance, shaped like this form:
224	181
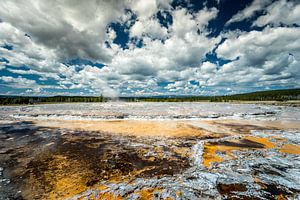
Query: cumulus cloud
25	51
280	12
141	54
19	82
208	67
249	11
65	26
151	28
144	9
166	54
45	63
257	45
261	58
175	54
185	22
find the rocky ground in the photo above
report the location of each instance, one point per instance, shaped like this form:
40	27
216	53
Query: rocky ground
254	156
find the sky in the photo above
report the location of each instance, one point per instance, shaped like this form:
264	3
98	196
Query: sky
148	47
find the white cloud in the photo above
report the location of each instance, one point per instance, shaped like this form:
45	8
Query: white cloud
185	22
150	27
144	9
175	54
65	26
249	11
44	63
183	87
257	45
208	67
261	58
46	34
18	82
25	51
280	12
111	34
44	75
204	16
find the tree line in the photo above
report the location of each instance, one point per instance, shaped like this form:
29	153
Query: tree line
55	99
271	95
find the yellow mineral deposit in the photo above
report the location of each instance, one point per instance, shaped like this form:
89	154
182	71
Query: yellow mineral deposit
209	155
210	149
148	193
110	196
165	128
290	149
67	187
264	141
65	179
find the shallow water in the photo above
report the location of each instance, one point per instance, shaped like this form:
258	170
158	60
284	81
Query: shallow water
142	110
198	151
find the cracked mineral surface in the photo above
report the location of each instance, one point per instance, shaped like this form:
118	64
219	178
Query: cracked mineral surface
149	151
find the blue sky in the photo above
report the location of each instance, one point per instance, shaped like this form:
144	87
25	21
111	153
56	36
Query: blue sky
148	47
